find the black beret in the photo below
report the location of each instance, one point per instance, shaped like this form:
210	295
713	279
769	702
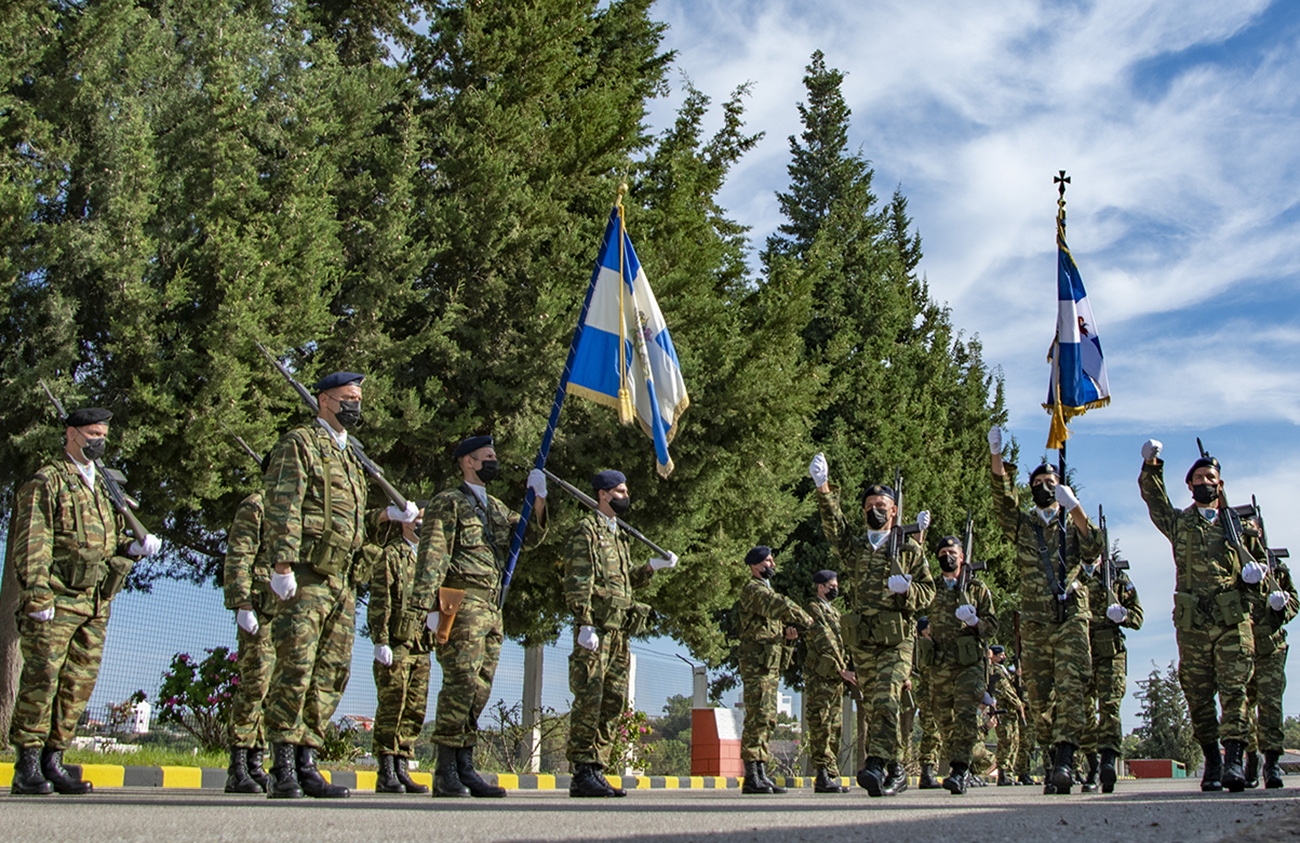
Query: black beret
880	490
607	479
1202	463
922	624
1045	468
824	577
997	649
757	555
470	445
337	379
87	415
948	541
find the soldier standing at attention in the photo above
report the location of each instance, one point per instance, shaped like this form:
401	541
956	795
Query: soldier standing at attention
598	582
825	671
1216	639
314	525
1105	732
887	595
767	622
1002	687
70	555
464	547
1054	605
401	667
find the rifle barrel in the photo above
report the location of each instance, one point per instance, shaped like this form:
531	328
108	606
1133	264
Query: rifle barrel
585	499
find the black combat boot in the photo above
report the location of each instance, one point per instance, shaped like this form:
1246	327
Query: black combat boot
929	781
446	781
1089	784
956	781
1234	777
762	772
1272	770
470	777
386	781
255	769
585	784
55	773
1109	775
1025	779
824	783
312	782
283	781
403	772
1252	770
28	780
872	776
1212	779
1062	776
237	778
1004	780
754	781
896	780
613	791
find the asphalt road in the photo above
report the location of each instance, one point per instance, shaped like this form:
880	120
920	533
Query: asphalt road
1166	810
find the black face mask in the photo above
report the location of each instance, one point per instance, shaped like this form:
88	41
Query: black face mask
1043	496
348	413
620	505
948	563
1205	493
94	448
767	573
488	471
877	518
832	593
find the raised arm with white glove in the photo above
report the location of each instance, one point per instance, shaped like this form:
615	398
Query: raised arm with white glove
1151	450
819	471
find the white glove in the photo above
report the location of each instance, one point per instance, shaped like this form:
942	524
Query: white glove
1065	497
900	583
819	471
384	655
923	519
587	638
988	699
403	516
1151	449
1252	573
1277	601
537	482
659	563
42	617
967	615
152	544
1116	613
285	586
431	622
995	440
247	620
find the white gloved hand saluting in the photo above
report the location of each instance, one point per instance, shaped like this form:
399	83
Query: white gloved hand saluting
995	440
923	519
1151	449
403	516
42	616
537	482
1252	573
1117	613
247	620
1065	497
151	545
819	471
1277	601
587	638
900	583
659	562
431	622
384	655
966	614
285	586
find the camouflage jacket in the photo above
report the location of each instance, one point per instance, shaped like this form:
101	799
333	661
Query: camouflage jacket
245	574
1024	529
63	539
826	656
946	628
465	545
295	519
598	574
764	614
1002	687
1126	595
391	583
1269	623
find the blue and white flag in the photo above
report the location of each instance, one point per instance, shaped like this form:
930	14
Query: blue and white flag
1078	381
625	358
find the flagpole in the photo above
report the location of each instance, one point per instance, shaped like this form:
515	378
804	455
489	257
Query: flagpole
517	541
1061	180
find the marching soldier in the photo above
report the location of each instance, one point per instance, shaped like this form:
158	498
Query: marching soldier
1054	606
1269	613
464	547
598	582
825	671
921	710
1002	688
1216	639
888	592
70	555
315	522
769	624
1105	733
401	667
960	615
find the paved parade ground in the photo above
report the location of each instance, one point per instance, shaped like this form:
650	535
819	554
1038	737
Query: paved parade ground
1163	810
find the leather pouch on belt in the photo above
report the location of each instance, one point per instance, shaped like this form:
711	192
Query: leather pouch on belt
449	600
638	618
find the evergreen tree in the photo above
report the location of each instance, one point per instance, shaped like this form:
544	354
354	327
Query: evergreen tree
1166	729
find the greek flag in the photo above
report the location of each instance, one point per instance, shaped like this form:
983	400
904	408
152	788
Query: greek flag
625	357
1078	381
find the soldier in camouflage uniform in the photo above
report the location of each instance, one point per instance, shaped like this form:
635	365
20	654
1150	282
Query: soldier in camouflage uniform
1105	733
825	670
1216	638
1269	613
960	615
921	711
769	625
1002	688
314	524
1054	605
246	579
886	594
598	580
401	667
465	544
70	555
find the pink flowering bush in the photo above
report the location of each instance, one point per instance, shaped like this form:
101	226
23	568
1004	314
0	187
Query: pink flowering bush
196	696
629	747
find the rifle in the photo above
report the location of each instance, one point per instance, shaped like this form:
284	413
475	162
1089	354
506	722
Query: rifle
969	566
247	450
899	531
585	499
394	496
112	480
1231	518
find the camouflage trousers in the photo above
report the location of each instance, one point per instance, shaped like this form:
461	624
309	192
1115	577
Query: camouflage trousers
1024	747
955	695
1008	733
469	662
61	659
1217	659
312	635
598	679
824	707
760	696
919	713
255	662
403	692
1057	666
881	670
1264	700
1106	692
